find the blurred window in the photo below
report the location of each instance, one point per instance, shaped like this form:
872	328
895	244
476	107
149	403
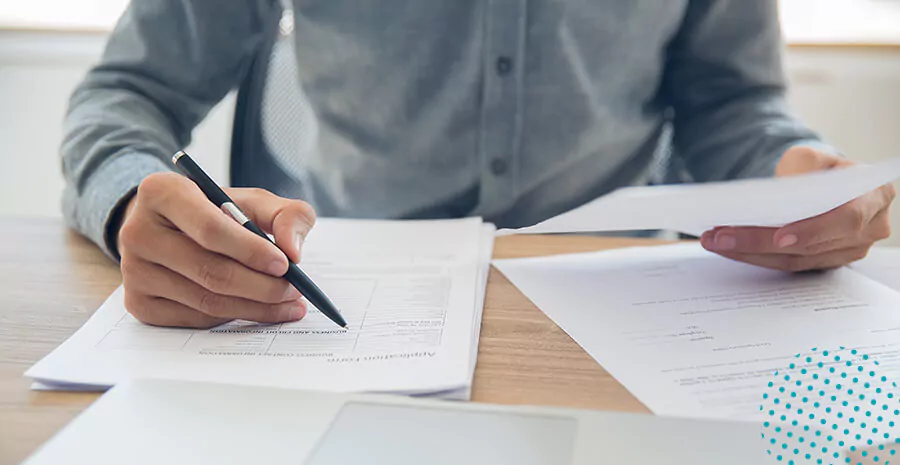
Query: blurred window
89	15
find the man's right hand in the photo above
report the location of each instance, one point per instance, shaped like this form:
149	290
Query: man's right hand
185	263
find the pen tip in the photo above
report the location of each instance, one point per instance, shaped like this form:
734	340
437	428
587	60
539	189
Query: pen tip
345	327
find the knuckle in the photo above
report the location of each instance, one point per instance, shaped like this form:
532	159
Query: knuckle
758	241
890	193
139	307
782	264
751	241
129	268
259	255
208	231
215	275
859	254
137	275
151	186
305	211
820	247
130	234
210	304
857	219
882	230
257	192
815	249
158	185
276	291
249	195
201	321
795	264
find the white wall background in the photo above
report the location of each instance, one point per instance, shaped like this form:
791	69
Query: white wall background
850	94
38	71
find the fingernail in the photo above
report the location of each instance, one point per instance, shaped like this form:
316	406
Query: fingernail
298	241
277	268
725	242
787	241
297	313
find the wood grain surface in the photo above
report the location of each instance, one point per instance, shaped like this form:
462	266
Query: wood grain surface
51	280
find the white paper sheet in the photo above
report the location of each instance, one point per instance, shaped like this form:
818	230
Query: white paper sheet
410	291
692	334
484	269
695	208
882	265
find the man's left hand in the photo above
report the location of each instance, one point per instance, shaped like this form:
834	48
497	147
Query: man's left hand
830	240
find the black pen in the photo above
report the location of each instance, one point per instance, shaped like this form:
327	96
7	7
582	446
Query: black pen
294	274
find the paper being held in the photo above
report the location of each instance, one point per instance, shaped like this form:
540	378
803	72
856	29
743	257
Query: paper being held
695	208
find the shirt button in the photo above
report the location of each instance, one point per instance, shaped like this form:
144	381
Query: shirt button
499	166
504	65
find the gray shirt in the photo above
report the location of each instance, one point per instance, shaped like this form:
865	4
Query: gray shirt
515	110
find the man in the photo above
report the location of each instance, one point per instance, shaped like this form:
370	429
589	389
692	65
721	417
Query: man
513	110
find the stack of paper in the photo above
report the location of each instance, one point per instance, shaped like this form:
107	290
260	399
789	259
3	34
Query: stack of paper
693	334
412	293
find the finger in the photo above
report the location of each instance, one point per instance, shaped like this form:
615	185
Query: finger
739	240
850	224
289	220
847	221
161	312
215	272
181	202
760	240
797	263
843	222
880	226
757	240
173	287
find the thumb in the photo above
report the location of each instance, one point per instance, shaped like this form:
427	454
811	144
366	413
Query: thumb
288	220
291	225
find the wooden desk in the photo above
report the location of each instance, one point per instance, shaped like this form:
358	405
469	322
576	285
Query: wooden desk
51	280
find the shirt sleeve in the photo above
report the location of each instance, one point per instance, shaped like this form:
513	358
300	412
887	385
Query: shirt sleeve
725	84
167	63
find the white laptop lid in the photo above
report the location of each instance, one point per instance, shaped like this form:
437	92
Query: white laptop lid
152	422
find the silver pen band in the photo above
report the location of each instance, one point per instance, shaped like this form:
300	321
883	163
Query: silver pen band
233	211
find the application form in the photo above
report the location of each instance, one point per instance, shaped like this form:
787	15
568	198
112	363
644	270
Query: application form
411	293
695	208
692	334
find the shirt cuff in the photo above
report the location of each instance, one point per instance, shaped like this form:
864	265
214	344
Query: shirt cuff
96	204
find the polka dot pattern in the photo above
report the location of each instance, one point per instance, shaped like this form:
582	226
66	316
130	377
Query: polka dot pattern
831	407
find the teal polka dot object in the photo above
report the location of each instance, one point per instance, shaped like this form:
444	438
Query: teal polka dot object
850	409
